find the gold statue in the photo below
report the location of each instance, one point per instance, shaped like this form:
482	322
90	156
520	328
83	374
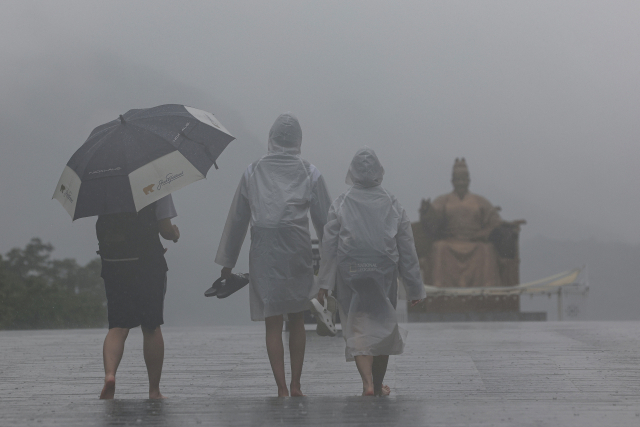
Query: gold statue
463	242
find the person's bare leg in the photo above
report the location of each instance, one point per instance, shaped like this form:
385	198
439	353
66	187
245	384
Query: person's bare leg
297	343
275	350
153	350
378	370
365	365
112	351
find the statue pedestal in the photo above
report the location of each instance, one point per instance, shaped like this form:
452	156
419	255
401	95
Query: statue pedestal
471	309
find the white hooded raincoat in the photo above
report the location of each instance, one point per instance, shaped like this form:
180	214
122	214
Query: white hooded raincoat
367	244
275	195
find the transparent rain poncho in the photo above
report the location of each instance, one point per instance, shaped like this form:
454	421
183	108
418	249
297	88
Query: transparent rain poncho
367	244
275	196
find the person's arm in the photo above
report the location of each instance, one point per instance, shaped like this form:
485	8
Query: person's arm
235	229
329	255
168	231
408	264
319	205
165	211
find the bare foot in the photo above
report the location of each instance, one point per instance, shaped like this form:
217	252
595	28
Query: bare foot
109	389
156	395
368	392
283	392
296	392
384	391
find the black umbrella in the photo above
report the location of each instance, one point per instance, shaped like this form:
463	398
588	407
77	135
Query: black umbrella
144	155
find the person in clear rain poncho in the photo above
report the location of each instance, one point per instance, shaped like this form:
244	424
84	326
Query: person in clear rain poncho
367	244
275	196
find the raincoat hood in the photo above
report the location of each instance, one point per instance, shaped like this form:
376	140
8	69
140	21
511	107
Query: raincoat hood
285	135
365	170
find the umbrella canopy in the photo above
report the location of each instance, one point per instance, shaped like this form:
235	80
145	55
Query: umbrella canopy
144	155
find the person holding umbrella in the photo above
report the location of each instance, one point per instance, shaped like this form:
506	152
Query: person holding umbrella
135	281
125	173
275	196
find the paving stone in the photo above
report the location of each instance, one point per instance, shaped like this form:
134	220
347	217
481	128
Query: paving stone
452	374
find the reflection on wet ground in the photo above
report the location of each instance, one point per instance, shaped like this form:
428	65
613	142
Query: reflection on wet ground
476	374
268	411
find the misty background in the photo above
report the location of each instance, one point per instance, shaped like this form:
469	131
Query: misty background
541	98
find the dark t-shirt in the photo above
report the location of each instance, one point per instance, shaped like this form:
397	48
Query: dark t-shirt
143	234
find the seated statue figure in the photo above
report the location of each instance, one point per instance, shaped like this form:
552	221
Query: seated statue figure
463	242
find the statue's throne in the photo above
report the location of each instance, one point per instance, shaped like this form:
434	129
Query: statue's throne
504	240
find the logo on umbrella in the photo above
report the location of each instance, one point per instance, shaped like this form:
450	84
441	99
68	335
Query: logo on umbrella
170	177
181	133
105	170
67	194
148	189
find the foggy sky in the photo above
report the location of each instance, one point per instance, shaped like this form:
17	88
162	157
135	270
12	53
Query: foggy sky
541	98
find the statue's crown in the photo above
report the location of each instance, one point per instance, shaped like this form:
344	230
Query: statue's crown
460	166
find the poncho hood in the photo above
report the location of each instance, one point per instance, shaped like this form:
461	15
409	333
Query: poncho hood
365	170
285	135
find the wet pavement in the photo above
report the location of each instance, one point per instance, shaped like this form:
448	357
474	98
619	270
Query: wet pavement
452	374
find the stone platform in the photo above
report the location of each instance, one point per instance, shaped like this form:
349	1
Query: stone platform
482	316
452	374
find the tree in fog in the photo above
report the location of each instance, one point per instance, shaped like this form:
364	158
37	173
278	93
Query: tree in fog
37	292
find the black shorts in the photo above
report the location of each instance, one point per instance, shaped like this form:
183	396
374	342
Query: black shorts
135	293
